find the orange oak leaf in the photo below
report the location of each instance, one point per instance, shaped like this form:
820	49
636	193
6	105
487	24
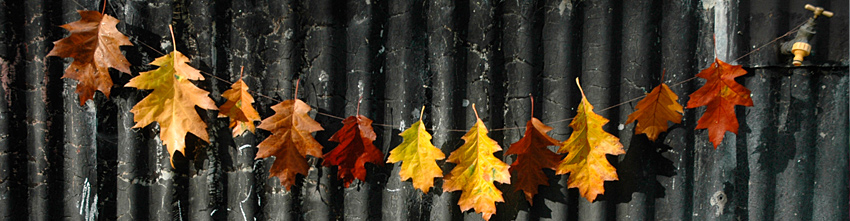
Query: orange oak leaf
238	107
720	93
172	102
653	112
586	148
94	45
476	170
532	158
291	140
355	149
418	156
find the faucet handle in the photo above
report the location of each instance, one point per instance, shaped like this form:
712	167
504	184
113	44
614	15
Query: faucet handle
818	11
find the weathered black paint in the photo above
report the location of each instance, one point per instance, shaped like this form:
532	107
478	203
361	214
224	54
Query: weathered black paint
788	161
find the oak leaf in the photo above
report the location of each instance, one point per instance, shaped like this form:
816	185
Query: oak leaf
720	93
172	102
653	112
291	140
475	172
94	45
238	107
586	148
355	149
418	156
532	158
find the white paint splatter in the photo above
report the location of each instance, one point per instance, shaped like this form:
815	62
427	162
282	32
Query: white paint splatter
620	127
244	217
244	146
84	196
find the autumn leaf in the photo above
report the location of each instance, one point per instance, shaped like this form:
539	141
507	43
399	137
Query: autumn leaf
653	112
238	107
586	148
291	140
532	158
418	156
172	102
94	45
355	149
720	93
476	170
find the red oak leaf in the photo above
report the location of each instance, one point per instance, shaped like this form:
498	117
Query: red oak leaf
720	93
355	149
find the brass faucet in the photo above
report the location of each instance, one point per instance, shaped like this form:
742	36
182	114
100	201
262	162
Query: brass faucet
800	46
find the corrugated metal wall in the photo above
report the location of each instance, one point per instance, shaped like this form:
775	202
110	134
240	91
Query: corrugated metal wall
60	160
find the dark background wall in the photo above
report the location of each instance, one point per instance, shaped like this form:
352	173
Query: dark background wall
789	161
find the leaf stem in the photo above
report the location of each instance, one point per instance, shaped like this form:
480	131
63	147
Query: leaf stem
476	111
532	104
579	88
421	112
241	70
173	46
297	82
103	11
358	106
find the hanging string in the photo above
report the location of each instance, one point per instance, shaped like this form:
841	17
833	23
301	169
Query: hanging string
257	93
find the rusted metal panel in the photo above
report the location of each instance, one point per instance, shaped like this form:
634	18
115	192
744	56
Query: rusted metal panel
789	161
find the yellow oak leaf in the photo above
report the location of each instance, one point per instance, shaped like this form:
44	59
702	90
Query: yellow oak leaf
418	156
586	148
94	45
653	112
238	107
476	170
172	102
291	140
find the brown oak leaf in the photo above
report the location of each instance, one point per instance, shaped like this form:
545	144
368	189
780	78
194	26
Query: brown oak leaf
291	140
94	45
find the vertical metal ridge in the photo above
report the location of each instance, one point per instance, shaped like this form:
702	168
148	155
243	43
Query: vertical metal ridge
598	80
519	70
79	166
36	114
443	67
403	96
560	67
323	194
281	71
162	202
358	197
679	46
758	130
204	189
640	69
